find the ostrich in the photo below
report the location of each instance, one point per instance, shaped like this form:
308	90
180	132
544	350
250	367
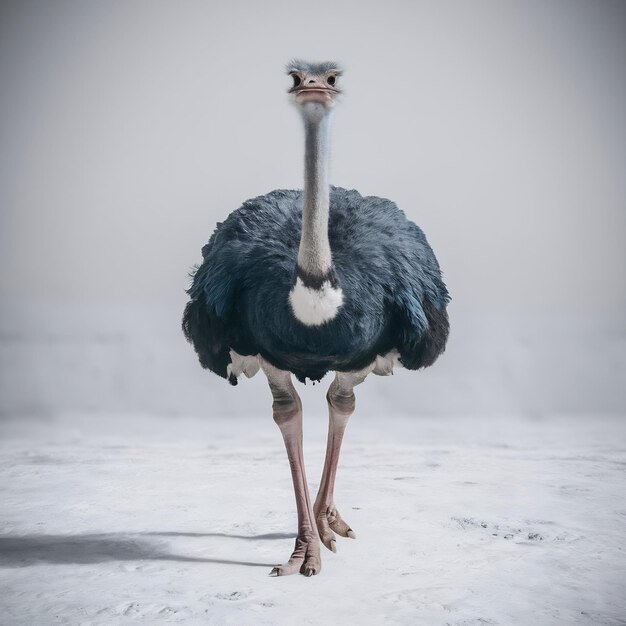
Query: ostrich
312	281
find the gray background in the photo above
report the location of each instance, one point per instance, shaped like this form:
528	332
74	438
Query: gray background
129	128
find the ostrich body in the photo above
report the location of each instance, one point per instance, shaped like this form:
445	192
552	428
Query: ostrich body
307	282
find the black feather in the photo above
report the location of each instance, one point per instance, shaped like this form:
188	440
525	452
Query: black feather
209	336
423	351
394	296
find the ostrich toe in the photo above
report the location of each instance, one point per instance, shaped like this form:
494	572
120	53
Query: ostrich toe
305	559
329	522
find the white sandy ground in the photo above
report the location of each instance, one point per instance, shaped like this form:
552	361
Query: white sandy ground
459	521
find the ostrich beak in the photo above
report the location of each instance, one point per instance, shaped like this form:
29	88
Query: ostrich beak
314	94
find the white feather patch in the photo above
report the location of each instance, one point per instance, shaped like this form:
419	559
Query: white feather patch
315	306
383	365
246	365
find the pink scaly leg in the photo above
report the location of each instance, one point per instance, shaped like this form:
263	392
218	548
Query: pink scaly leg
287	409
341	403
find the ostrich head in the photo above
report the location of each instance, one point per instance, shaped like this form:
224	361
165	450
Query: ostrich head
314	87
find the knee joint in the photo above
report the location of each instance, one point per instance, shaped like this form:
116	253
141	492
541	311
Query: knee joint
285	408
342	403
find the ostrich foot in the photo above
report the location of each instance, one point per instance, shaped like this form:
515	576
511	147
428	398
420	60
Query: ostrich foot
304	559
329	520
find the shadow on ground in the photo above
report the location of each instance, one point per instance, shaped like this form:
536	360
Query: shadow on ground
181	534
20	551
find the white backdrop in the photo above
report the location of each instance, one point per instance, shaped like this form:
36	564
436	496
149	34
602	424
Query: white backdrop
129	129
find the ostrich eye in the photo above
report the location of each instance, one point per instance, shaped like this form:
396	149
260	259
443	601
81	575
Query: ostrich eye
331	80
296	80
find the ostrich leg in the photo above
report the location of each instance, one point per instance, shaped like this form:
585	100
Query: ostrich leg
287	409
341	403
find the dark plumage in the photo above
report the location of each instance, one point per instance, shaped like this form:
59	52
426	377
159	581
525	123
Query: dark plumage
394	296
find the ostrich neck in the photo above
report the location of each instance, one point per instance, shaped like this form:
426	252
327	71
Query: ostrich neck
314	255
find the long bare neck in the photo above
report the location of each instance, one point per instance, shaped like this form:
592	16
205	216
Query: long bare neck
314	256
